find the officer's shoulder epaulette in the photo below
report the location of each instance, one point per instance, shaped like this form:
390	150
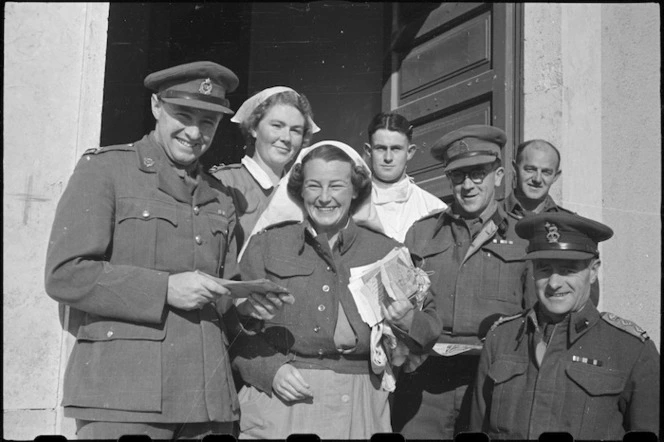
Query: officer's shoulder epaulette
104	149
504	319
625	325
279	224
435	214
223	166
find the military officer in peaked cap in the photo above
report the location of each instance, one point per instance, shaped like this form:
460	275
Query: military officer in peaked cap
136	232
537	168
561	366
477	271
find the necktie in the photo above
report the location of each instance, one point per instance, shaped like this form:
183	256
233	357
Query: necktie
540	347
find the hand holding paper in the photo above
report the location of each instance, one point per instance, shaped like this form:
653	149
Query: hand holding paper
264	296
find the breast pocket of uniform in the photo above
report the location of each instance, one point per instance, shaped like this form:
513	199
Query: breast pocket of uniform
139	222
593	391
291	273
508	376
430	256
502	270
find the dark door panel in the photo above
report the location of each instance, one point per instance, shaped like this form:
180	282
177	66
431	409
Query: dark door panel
452	64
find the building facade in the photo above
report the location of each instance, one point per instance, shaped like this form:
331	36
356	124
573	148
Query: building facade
584	76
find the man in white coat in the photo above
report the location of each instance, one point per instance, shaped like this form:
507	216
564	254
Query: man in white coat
399	202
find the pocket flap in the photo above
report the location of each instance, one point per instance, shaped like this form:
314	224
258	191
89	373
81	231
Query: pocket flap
504	369
218	224
109	330
596	381
506	252
424	249
281	266
134	208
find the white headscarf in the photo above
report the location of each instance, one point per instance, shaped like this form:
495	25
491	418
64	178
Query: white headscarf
283	207
252	103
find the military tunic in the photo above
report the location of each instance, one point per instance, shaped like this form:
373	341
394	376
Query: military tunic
472	287
321	331
512	205
251	192
125	222
598	379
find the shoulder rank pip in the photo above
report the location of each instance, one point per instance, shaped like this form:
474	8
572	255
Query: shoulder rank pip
279	224
625	325
103	149
223	166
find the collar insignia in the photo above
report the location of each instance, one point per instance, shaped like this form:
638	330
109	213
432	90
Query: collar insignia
149	162
206	87
552	234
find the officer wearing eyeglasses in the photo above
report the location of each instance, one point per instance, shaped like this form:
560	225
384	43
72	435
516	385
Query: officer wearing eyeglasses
475	262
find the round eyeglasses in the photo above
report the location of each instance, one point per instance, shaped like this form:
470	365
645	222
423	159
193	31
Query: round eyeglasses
476	175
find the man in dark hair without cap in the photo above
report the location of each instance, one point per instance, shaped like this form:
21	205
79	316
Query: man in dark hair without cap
398	201
474	259
137	232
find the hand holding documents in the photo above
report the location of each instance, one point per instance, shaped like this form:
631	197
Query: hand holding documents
243	289
392	278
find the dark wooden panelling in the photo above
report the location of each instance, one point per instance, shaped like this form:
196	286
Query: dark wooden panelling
446	56
452	64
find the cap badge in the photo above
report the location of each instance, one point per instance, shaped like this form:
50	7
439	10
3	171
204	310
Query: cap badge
205	87
552	234
463	146
149	162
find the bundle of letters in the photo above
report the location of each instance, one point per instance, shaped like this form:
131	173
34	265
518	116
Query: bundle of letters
393	278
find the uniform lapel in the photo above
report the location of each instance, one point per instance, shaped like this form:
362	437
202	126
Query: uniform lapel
488	230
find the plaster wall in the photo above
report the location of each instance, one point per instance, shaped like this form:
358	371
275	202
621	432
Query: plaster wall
54	56
632	161
591	86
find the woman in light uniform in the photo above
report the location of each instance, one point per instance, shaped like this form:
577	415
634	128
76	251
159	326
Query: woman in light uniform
276	123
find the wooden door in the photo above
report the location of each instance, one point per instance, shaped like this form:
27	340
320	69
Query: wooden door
450	65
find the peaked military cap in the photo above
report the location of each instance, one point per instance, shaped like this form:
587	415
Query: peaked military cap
469	146
201	84
561	235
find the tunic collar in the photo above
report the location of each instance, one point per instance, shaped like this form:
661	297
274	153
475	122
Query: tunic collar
345	239
493	212
577	323
257	172
152	159
513	206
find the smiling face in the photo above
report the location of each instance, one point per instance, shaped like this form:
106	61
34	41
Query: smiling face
327	193
279	137
389	154
185	133
536	171
472	198
563	285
